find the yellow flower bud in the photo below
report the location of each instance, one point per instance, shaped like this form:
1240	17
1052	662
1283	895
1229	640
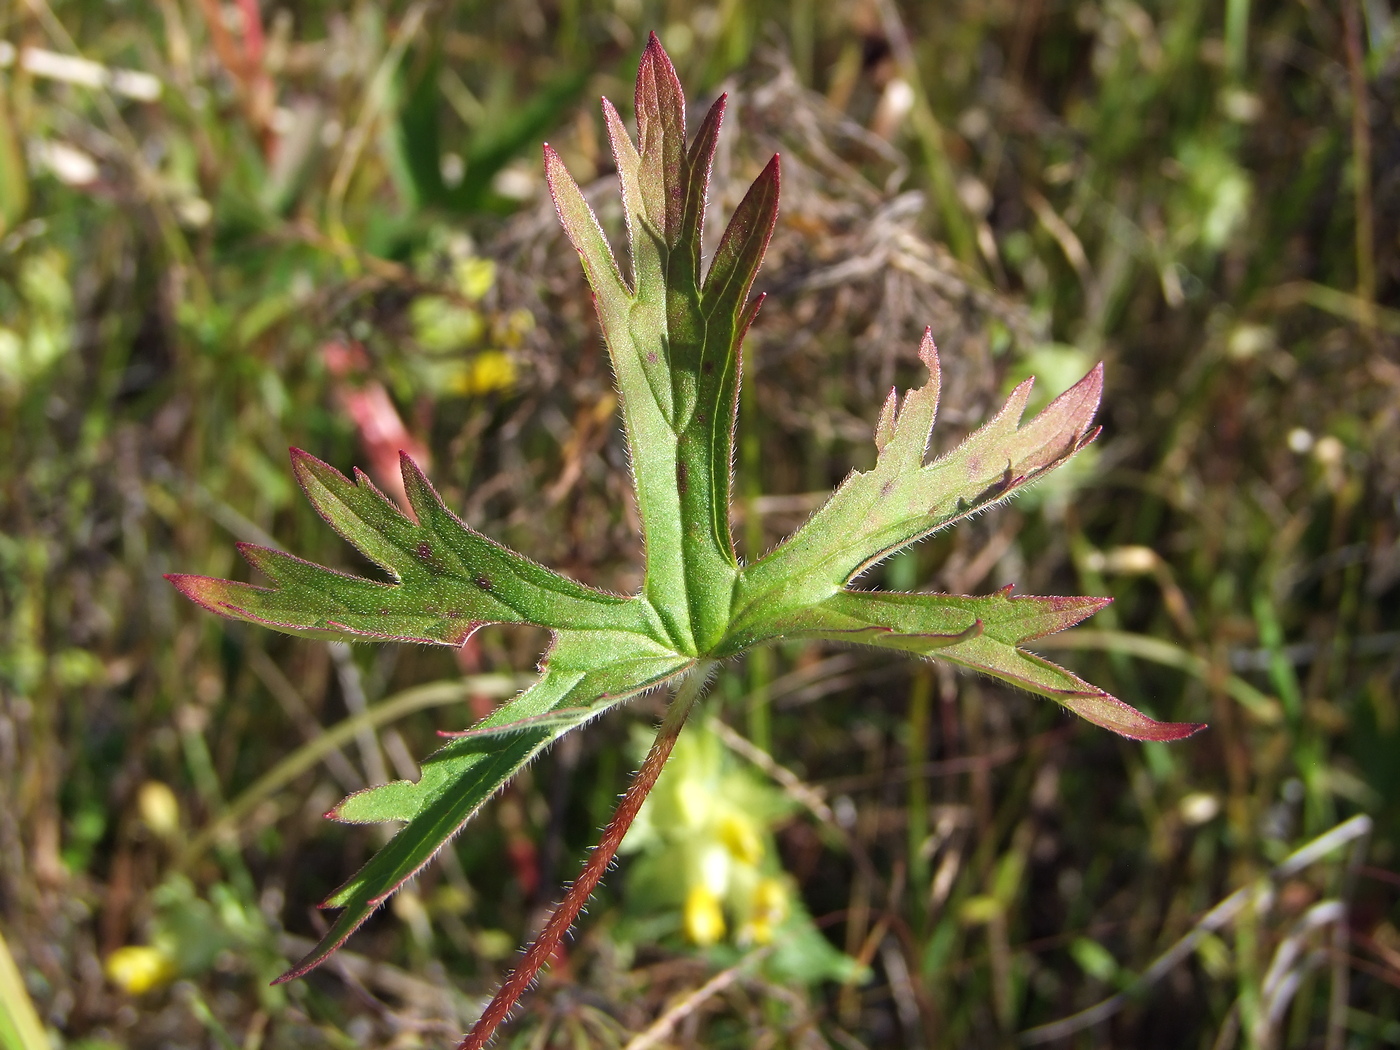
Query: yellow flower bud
489	370
741	838
474	276
704	922
770	901
159	808
137	969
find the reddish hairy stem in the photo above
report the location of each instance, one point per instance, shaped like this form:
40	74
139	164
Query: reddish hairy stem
563	918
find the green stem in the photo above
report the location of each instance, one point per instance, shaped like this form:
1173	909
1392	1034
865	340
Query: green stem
563	918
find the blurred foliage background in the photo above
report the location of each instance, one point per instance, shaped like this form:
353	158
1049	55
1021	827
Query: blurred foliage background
229	227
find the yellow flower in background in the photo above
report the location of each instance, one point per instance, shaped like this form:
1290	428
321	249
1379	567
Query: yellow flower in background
485	373
707	866
516	326
159	808
704	921
489	371
441	326
768	907
137	969
474	277
770	900
741	837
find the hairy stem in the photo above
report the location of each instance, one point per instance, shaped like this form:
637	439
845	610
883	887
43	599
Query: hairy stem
563	918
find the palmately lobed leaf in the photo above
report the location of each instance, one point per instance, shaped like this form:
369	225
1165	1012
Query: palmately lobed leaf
982	634
674	340
903	499
448	580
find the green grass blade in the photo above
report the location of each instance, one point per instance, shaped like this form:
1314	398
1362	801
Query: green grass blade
20	1027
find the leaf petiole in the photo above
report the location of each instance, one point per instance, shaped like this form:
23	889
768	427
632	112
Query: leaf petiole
677	711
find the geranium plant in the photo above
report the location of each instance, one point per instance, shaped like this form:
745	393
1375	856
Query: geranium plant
673	330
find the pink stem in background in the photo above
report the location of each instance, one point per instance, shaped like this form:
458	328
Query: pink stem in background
252	37
381	430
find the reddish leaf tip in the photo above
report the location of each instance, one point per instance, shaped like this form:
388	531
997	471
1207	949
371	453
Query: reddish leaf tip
187	584
208	592
1164	732
406	461
1113	714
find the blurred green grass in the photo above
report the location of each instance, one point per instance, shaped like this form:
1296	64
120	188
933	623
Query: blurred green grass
332	209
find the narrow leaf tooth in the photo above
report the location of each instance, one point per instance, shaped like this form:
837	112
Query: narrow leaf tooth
624	152
660	107
260	605
629	167
659	95
422	497
755	304
366	518
1046	614
326	487
698	162
884	429
307	468
265	559
928	354
913	426
1061	426
744	243
332	494
583	230
1009	417
702	150
287	569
